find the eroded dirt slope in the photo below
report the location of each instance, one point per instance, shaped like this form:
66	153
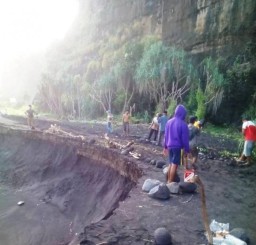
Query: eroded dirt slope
230	193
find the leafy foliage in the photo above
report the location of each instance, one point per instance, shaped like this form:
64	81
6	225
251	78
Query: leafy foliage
102	66
162	73
214	88
201	106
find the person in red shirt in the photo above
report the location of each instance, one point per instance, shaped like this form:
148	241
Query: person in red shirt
249	132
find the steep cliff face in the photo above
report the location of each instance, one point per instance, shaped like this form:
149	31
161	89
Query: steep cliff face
216	28
198	26
107	30
202	26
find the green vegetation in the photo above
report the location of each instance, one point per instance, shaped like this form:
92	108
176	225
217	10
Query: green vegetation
227	132
224	132
103	65
143	72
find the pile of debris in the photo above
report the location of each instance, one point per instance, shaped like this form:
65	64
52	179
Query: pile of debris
54	129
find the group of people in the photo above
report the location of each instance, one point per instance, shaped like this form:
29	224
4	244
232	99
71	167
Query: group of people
125	119
182	137
174	134
157	127
180	141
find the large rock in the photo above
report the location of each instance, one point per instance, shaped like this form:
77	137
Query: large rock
240	234
187	187
173	187
150	184
165	171
160	164
160	192
162	237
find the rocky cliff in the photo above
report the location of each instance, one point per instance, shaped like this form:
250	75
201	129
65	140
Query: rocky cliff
224	30
199	26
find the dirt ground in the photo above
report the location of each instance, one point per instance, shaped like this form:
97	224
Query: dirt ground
230	193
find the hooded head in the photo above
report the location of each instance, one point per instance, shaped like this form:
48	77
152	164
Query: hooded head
180	112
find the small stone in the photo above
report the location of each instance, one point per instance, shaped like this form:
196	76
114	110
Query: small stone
124	152
160	164
92	141
252	205
162	237
20	203
153	162
147	160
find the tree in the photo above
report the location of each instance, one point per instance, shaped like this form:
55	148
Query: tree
124	70
103	90
77	81
163	74
214	85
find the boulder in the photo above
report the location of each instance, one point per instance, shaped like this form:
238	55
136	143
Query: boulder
173	187
160	192
162	237
150	184
240	234
160	164
187	187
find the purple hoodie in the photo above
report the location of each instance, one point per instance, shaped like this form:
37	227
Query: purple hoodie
176	131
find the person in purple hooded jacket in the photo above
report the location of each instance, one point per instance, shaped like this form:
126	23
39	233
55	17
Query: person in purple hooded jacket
176	139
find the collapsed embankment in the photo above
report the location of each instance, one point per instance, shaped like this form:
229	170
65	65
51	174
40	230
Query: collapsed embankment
66	184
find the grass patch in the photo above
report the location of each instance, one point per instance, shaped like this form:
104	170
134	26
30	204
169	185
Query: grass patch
224	131
231	133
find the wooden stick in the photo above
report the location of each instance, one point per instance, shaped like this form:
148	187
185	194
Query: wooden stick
113	144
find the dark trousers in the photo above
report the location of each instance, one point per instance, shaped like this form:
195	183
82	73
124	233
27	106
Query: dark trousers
159	140
151	132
